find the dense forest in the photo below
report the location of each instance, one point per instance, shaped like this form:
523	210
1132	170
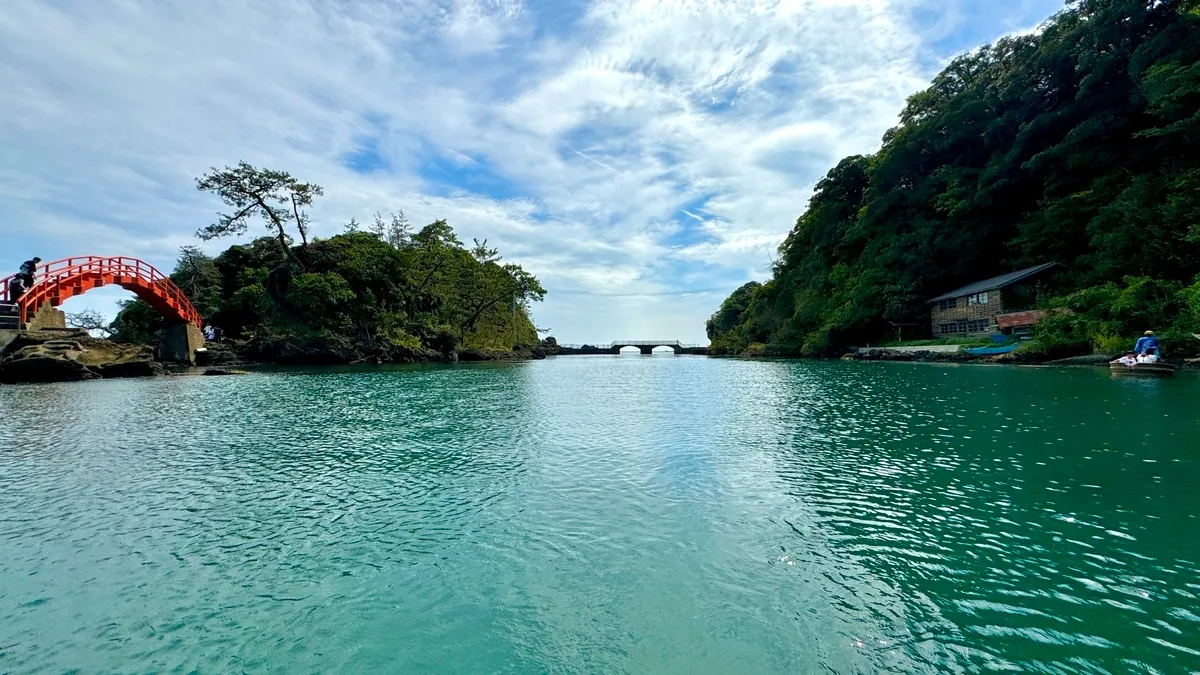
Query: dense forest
383	292
1079	144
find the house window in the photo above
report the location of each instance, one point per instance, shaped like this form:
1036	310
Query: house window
952	303
978	299
965	327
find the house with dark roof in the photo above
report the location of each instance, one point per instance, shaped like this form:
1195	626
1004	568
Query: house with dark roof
988	306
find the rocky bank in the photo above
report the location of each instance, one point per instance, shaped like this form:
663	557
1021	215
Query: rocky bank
321	350
1018	358
68	355
71	355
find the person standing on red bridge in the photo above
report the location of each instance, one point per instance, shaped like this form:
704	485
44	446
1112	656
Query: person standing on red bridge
23	279
28	269
16	288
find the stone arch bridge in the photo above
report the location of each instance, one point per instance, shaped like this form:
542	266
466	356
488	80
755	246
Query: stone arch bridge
644	346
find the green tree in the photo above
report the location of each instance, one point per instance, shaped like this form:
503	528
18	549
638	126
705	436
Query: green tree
136	323
490	285
395	231
274	196
373	294
197	276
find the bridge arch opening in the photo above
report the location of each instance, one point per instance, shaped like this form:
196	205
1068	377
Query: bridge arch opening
99	304
647	349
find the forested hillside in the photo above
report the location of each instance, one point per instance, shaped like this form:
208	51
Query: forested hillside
1080	144
383	292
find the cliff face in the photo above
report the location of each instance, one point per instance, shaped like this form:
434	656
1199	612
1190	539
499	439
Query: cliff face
72	355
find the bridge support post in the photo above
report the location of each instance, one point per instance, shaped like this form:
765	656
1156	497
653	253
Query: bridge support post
178	342
46	317
646	350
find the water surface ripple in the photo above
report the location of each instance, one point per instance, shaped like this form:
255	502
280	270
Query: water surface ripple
603	514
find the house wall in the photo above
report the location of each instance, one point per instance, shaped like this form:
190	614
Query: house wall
964	311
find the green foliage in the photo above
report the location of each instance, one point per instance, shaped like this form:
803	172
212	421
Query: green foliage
730	314
136	323
1179	344
323	299
1189	298
1108	318
756	349
360	294
357	294
197	276
274	196
1112	344
1077	145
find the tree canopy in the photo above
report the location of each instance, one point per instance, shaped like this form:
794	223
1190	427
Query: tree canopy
274	196
376	293
1077	145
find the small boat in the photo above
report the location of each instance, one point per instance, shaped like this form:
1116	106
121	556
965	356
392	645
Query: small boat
991	351
1160	369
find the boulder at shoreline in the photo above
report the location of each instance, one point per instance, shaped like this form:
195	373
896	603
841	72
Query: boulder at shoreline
70	356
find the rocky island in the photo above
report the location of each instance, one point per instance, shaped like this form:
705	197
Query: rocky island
66	355
384	292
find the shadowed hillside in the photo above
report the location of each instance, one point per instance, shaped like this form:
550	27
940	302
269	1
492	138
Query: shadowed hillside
1079	145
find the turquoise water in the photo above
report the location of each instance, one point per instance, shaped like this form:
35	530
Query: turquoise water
601	515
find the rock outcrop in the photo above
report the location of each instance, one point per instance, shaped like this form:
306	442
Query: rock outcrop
72	355
219	354
322	350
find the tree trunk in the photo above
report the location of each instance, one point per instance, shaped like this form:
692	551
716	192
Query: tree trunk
299	223
409	297
483	308
282	237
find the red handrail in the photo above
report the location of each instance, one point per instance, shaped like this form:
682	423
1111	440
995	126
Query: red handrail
56	281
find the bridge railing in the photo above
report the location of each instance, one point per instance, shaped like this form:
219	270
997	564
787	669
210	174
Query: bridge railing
51	277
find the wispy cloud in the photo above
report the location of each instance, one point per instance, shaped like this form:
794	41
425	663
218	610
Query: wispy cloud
626	151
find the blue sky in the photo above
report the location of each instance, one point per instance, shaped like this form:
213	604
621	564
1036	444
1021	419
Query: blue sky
643	158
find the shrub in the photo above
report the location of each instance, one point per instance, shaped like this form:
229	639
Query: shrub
1189	299
1178	344
1061	334
320	298
1112	344
756	349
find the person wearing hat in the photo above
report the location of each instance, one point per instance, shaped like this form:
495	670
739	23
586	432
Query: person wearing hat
1147	345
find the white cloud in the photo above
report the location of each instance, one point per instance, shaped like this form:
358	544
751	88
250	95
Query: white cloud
626	146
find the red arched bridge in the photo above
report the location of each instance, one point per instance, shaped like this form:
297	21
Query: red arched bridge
57	281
